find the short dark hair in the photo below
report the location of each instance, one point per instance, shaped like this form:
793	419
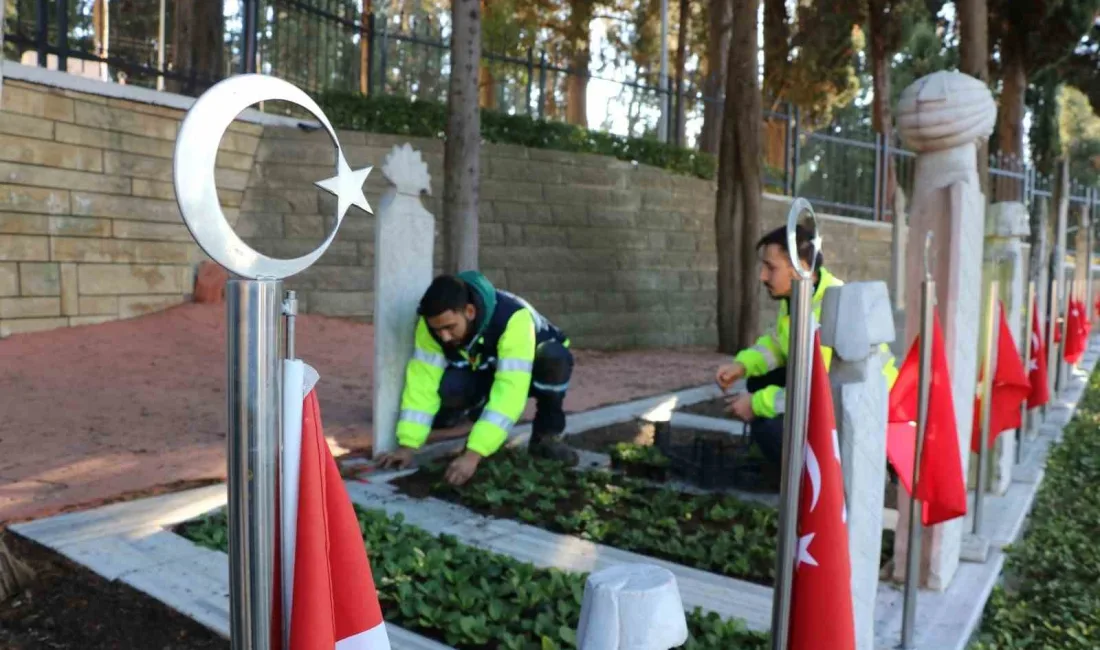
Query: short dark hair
803	238
446	293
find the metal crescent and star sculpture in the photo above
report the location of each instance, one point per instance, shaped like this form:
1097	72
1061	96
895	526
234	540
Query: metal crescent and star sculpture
194	166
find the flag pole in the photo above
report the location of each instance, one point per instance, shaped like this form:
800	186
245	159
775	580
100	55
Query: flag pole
913	550
287	519
989	365
253	308
799	369
1026	353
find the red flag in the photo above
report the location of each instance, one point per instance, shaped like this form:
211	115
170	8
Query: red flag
1010	388
1037	366
1074	347
821	602
942	490
335	604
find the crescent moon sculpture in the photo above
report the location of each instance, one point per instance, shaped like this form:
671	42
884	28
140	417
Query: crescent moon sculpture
194	164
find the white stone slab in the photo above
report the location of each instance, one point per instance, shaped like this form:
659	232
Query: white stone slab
705	423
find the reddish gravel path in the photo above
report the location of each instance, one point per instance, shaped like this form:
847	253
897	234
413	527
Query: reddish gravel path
92	412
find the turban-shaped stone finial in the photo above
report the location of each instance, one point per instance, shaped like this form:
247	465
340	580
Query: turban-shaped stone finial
944	110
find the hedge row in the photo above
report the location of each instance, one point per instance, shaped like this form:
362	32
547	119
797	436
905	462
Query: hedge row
1050	597
401	116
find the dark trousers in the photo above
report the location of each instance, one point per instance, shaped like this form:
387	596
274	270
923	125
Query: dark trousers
767	433
466	391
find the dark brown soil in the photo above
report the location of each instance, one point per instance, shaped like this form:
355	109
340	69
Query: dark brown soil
70	607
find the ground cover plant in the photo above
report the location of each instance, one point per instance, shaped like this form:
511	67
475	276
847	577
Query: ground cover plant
713	532
1050	598
474	599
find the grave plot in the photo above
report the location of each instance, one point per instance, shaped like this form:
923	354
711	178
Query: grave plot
711	532
474	599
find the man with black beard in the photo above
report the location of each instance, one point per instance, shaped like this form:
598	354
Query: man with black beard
481	353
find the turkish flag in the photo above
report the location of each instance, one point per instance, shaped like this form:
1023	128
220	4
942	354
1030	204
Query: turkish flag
821	602
333	603
1075	334
1037	366
942	490
1010	388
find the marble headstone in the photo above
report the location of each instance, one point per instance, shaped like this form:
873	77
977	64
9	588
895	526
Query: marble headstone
404	239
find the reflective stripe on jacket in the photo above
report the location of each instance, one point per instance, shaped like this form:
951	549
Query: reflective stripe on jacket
770	352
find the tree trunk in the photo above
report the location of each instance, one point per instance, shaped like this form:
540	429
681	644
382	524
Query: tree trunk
366	40
974	61
197	46
1010	120
487	88
737	209
463	140
718	45
882	119
576	101
15	575
681	61
777	50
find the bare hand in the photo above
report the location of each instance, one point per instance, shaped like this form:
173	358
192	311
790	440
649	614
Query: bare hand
729	373
740	407
462	468
401	458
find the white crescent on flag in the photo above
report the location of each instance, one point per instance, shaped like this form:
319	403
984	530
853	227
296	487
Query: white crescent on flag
814	470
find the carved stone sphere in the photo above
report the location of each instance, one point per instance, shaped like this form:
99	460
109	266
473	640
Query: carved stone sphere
944	110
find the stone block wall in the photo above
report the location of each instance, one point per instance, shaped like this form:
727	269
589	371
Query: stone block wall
89	228
619	255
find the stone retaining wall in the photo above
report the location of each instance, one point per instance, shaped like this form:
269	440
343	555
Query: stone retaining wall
619	255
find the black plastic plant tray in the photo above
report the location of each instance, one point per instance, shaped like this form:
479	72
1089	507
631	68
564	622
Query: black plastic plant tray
711	462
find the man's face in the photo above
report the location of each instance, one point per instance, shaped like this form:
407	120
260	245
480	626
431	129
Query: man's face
453	327
776	271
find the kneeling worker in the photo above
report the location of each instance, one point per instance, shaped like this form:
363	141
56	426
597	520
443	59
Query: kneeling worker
763	366
481	353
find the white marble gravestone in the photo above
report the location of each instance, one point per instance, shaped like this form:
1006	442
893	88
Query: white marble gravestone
942	117
404	238
855	319
1007	227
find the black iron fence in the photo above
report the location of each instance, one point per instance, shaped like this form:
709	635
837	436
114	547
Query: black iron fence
324	45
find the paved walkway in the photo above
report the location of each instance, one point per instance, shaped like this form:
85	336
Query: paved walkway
94	412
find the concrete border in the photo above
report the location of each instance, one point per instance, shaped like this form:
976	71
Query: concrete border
65	81
129	542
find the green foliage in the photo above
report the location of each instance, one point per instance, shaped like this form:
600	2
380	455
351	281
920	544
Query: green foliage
713	532
629	452
478	600
1050	599
397	115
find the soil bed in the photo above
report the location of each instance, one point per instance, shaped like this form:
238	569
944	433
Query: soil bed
712	532
474	599
715	408
71	607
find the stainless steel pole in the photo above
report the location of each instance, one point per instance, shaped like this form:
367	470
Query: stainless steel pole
1025	353
1052	352
253	309
663	130
913	550
989	364
795	418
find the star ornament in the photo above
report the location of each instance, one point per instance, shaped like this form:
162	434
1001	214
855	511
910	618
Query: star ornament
347	186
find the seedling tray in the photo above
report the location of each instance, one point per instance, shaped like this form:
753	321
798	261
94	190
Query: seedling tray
714	461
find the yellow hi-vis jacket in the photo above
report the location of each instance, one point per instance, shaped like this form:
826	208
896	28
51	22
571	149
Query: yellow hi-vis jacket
770	352
507	331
